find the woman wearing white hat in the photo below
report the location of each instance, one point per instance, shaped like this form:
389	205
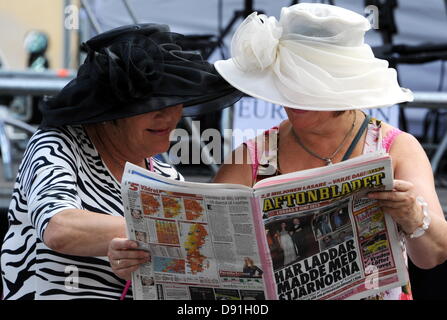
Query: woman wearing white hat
314	62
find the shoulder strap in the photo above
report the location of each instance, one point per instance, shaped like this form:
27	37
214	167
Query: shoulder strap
262	159
254	160
356	138
388	140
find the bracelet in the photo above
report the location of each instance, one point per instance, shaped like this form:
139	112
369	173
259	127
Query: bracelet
420	231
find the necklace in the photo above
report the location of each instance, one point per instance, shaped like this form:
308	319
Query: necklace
328	160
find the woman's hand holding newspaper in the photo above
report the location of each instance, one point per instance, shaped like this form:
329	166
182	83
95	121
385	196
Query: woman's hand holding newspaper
125	257
401	204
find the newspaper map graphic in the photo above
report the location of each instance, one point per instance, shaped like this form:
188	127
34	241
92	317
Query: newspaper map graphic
195	260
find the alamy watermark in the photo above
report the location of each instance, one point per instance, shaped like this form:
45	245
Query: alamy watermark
372	14
72	279
372	277
207	147
71	19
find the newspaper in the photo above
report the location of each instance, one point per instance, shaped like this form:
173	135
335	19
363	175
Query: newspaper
307	235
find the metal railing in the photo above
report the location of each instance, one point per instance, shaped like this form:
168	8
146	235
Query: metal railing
432	100
50	83
32	83
5	141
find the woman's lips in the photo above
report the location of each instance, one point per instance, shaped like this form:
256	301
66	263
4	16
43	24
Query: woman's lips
159	132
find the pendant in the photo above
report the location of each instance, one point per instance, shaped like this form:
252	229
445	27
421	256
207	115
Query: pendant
328	161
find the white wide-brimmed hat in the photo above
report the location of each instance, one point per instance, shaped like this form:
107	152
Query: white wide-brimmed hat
313	58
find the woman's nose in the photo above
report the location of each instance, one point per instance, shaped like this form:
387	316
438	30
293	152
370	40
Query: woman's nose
171	113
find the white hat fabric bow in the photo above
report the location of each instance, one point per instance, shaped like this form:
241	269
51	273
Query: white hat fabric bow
313	58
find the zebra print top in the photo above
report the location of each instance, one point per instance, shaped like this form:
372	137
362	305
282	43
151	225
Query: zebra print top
61	169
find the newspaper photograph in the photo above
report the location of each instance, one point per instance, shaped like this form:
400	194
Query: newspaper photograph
307	235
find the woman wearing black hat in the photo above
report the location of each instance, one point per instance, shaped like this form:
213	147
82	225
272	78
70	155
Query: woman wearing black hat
66	208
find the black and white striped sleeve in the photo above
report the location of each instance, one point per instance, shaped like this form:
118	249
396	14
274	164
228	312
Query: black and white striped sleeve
49	174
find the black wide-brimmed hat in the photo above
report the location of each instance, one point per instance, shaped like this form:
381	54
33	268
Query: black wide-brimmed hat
138	69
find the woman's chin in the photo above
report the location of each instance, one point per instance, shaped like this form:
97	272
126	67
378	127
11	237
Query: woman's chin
157	146
160	149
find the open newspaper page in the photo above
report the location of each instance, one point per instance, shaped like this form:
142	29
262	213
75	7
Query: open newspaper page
202	239
327	240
